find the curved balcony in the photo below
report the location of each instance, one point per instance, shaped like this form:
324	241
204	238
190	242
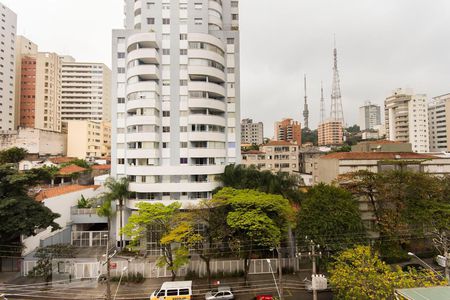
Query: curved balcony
207	152
215	21
174	170
145	86
207	119
216	74
209	87
147	72
206	54
146	55
142	40
143	120
143	137
207	103
216	6
207	136
207	38
137	7
173	187
141	153
143	103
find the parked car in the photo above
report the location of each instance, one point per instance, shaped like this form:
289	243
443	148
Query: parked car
220	293
264	297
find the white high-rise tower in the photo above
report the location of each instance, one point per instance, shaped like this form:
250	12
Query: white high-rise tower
175	97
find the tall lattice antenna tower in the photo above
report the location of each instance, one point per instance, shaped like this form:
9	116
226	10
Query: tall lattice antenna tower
322	104
336	113
305	108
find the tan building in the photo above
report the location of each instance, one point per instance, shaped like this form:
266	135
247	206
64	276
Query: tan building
85	91
382	146
439	123
330	133
88	139
40	91
288	130
275	156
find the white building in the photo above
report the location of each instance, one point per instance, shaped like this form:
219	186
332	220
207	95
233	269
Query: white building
439	123
252	133
7	68
406	119
369	116
85	91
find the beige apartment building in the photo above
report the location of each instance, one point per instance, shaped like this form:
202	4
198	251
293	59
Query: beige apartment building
330	133
275	156
85	91
439	123
88	139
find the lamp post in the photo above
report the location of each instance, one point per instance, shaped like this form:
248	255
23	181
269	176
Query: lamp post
274	280
120	279
431	268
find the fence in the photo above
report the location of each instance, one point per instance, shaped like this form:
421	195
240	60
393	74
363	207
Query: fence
83	269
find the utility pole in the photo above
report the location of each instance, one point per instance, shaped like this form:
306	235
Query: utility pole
313	255
108	271
441	244
280	273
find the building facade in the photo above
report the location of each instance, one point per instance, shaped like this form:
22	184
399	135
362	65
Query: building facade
439	123
275	156
369	116
176	106
406	119
7	68
40	91
85	91
288	130
25	79
252	133
330	133
88	139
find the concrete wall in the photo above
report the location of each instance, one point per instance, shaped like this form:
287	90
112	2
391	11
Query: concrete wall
36	141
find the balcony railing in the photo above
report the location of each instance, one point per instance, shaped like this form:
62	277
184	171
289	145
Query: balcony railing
83	211
89	238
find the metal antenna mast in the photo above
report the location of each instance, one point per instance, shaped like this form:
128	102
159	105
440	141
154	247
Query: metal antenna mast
305	108
337	113
322	104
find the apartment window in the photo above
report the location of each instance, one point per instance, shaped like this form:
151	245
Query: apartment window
183	36
165	145
183	51
183	160
183	129
230	70
183	145
166	21
166	113
198	21
121	100
166	51
121	161
234	4
230	41
183	6
150	4
120	70
151	21
121	55
166	129
198	5
183	82
234	17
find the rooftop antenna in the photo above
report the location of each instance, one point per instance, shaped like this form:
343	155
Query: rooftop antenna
322	104
336	113
305	107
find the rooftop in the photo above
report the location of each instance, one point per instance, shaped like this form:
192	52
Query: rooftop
61	160
381	142
376	155
435	293
61	190
279	143
101	167
71	169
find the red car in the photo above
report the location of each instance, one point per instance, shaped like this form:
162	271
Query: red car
264	297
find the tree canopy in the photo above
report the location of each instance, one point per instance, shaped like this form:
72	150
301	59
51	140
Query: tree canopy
12	155
330	216
359	273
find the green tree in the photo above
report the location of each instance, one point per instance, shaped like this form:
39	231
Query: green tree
358	273
78	162
172	224
257	220
46	255
281	183
353	129
19	212
330	216
118	191
12	155
309	136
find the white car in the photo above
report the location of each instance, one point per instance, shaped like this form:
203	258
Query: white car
221	293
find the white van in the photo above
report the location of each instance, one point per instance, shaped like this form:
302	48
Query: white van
173	290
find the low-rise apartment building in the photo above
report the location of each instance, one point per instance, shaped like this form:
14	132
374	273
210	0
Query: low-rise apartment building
88	139
275	156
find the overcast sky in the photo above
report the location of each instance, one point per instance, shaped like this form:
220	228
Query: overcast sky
382	45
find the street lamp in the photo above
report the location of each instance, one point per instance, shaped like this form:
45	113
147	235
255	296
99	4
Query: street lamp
430	267
118	285
274	280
